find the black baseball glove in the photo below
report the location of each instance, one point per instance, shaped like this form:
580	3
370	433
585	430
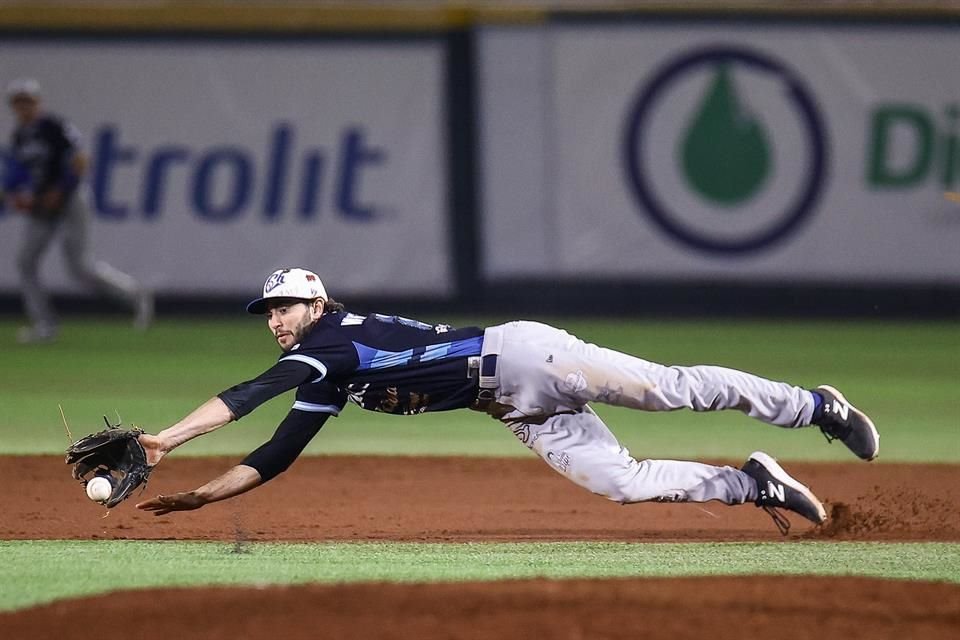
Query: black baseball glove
114	452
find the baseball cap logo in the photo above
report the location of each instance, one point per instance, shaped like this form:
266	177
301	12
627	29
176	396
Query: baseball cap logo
275	280
296	284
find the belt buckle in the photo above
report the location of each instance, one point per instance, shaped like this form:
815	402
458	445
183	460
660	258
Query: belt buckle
485	398
486	395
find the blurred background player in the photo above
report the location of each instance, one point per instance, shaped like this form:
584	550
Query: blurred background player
43	181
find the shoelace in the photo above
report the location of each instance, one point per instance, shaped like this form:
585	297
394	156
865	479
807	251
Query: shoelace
778	519
839	432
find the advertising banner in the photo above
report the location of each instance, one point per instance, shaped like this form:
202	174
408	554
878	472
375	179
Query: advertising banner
215	162
742	152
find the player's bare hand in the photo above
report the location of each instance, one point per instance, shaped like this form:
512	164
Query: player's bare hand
162	505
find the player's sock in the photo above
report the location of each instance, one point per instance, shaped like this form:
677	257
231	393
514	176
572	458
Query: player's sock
817	405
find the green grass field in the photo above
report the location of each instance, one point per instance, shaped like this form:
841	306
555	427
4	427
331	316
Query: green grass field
41	571
904	374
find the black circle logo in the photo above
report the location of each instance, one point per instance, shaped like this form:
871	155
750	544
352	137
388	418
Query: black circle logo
638	174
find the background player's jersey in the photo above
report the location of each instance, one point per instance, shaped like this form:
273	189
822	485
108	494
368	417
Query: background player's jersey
40	156
386	363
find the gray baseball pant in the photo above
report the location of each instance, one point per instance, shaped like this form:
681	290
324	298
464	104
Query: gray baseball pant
72	224
546	377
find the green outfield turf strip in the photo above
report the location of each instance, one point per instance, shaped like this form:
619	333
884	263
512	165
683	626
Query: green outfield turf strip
33	572
903	374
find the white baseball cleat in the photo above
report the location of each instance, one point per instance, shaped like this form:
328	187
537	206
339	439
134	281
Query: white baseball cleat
777	489
840	420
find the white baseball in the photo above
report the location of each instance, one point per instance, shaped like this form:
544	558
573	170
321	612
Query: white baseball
99	489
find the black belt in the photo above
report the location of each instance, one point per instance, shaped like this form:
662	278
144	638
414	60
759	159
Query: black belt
485	367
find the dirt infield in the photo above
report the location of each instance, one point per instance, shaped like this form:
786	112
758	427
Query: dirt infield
461	499
720	608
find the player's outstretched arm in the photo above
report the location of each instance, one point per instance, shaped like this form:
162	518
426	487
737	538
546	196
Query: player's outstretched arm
209	416
237	480
232	404
268	461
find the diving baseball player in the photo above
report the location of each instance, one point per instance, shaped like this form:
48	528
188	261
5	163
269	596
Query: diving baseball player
43	180
537	380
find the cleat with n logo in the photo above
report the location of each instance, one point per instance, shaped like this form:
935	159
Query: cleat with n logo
841	410
776	489
776	492
840	420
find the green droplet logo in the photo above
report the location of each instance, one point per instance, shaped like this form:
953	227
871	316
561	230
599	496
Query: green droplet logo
725	155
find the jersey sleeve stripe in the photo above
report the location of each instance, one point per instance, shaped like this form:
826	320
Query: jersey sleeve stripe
455	349
310	407
313	362
371	358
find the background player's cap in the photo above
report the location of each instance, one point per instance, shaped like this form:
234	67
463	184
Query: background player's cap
23	87
289	283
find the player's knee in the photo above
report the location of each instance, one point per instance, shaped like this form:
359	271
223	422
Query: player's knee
620	497
27	264
73	261
605	485
617	489
79	268
634	494
636	484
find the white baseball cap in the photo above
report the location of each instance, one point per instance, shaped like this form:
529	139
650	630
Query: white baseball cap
298	284
23	87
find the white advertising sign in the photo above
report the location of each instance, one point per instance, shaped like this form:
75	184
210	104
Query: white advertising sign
216	162
737	152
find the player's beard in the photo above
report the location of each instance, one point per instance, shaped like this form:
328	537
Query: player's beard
300	331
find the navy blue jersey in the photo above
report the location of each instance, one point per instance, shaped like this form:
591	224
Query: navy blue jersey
40	156
382	363
386	363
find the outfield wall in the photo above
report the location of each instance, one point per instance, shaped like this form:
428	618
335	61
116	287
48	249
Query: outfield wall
736	152
636	161
231	157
